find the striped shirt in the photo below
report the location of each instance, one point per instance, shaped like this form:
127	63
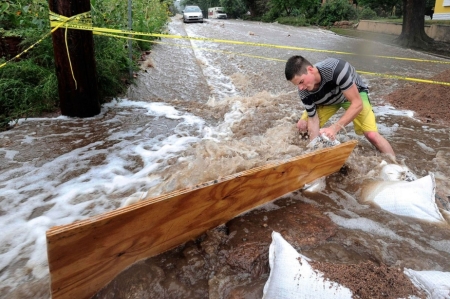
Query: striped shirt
337	76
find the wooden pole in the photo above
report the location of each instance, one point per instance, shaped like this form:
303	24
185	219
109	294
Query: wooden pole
130	46
84	256
77	77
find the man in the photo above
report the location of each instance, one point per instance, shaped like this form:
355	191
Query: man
326	87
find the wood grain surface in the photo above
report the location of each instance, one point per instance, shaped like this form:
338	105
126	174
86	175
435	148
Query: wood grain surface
84	256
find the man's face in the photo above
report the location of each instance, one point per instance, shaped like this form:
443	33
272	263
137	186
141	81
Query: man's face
306	81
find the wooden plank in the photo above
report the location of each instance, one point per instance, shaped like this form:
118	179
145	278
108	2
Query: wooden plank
84	256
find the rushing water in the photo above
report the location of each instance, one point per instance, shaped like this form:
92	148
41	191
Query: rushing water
204	110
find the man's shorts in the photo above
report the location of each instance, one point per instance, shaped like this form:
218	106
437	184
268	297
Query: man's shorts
364	122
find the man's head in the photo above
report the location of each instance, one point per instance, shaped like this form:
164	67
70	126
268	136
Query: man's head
302	73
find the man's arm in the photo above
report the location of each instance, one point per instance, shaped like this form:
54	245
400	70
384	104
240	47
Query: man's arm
356	106
313	126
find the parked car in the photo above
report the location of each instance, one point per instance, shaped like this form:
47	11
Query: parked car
192	14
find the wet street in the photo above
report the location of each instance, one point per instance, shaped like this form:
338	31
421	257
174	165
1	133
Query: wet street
203	110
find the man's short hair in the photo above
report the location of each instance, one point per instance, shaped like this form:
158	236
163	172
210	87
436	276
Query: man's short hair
296	65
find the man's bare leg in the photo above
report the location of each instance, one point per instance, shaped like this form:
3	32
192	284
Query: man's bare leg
379	142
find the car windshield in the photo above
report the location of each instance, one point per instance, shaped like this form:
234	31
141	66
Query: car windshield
192	9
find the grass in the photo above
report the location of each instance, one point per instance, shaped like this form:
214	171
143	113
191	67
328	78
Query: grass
440	22
400	21
441	49
293	21
381	37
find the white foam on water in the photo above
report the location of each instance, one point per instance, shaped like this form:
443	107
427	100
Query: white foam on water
425	147
10	154
390	110
37	197
234	115
69	187
219	82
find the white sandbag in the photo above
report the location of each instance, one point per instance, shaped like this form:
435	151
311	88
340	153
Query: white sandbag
435	283
412	199
322	141
395	172
318	185
291	276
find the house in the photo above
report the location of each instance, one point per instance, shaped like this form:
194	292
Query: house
442	10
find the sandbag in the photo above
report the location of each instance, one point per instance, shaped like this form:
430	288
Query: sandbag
412	199
291	276
395	172
435	283
322	141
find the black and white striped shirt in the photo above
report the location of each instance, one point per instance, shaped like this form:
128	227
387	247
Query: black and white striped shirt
337	76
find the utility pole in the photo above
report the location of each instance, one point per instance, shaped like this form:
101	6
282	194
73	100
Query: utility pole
130	27
77	76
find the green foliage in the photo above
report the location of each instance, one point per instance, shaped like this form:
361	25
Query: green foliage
147	16
271	15
294	21
335	10
113	64
23	15
261	7
27	89
29	86
287	7
367	14
383	8
234	8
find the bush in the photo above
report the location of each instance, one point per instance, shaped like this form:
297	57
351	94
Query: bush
30	87
271	15
367	14
235	8
294	21
27	89
335	10
113	65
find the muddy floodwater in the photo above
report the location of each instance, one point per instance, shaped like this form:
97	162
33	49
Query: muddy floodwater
200	111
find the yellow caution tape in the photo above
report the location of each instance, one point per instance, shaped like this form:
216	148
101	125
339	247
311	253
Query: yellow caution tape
83	19
277	59
84	22
80	26
191	47
63	21
405	78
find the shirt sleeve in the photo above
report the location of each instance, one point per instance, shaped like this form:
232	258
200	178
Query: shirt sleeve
308	102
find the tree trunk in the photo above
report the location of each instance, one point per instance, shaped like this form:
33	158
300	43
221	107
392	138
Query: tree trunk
413	30
78	92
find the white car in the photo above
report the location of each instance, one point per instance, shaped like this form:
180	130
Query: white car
192	14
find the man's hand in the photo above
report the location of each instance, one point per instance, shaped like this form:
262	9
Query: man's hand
356	106
302	126
330	132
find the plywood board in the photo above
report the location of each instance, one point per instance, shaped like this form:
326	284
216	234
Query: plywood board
84	256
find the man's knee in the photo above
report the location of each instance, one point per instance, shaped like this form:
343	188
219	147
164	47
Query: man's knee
373	137
380	143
